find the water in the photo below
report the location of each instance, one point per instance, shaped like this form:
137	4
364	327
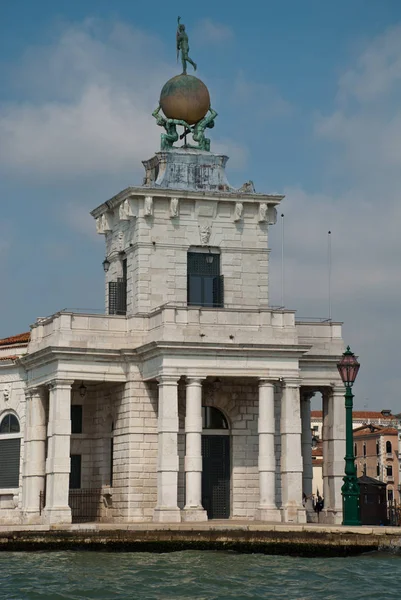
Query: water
195	576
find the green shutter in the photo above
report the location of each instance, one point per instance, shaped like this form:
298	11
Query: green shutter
9	462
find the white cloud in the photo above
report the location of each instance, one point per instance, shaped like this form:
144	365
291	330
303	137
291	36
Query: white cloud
93	105
363	135
210	32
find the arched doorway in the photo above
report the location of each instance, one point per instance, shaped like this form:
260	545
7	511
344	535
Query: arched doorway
215	463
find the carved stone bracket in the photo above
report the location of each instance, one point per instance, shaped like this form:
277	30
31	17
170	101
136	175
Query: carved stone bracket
238	211
103	223
174	208
148	206
262	214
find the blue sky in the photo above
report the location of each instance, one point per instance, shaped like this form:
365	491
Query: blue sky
308	96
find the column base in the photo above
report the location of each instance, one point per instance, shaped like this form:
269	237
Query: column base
331	517
293	514
32	517
194	514
57	515
271	513
167	515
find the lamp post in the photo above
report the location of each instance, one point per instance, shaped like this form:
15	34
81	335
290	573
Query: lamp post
348	368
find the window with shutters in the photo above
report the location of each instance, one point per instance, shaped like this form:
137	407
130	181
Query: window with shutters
205	285
10	449
118	292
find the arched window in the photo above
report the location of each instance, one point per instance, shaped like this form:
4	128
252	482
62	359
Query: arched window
10	448
389	447
213	418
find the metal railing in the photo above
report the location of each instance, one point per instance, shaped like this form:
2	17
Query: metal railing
85	504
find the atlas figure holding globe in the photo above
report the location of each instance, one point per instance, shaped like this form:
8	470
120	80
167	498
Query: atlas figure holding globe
184	101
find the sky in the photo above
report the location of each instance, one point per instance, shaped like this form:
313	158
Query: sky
308	95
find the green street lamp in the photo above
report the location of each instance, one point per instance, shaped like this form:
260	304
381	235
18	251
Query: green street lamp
348	368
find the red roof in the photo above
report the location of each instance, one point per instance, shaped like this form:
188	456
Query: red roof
377	430
357	414
9	357
21	338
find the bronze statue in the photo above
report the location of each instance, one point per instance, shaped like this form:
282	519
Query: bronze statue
198	131
183	46
170	125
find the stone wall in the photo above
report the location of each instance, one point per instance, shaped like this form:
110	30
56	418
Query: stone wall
12	400
156	249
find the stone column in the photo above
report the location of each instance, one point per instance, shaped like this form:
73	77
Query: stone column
57	509
325	439
292	510
193	510
267	509
335	464
306	442
34	454
167	451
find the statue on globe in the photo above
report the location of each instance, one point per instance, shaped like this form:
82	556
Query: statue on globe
183	46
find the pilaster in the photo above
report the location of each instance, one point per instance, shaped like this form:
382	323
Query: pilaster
34	469
57	510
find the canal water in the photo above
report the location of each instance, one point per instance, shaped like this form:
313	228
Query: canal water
196	576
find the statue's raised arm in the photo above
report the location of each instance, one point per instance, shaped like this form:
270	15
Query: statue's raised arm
183	47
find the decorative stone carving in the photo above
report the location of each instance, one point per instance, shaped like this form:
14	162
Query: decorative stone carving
120	242
272	215
204	234
173	208
263	210
6	394
103	224
239	208
124	211
247	187
148	206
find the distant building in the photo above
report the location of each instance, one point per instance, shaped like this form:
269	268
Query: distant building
376	439
376	455
359	418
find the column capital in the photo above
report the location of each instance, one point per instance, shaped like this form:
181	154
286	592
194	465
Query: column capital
337	389
306	396
294	382
167	379
60	383
194	380
267	382
34	391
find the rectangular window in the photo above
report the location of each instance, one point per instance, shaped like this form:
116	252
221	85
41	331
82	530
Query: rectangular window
111	461
75	473
389	469
76	418
364	469
9	462
118	297
205	284
378	470
364	449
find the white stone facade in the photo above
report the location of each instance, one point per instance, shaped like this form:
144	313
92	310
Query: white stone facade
148	373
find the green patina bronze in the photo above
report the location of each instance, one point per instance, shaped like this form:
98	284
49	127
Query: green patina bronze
183	46
198	131
185	101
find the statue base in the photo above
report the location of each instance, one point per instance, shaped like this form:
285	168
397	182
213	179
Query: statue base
187	169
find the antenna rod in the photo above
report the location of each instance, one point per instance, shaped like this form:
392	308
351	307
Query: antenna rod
329	270
282	260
